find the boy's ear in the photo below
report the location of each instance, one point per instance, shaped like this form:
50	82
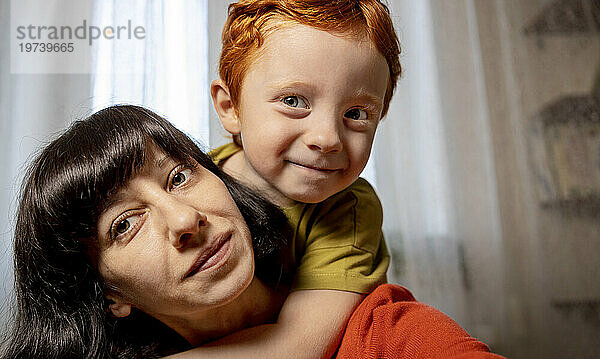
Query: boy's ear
117	307
224	106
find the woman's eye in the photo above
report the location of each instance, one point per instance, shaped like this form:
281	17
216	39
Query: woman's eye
294	101
181	177
356	114
125	225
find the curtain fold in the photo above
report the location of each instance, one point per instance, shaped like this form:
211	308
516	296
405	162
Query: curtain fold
33	107
412	171
435	169
166	72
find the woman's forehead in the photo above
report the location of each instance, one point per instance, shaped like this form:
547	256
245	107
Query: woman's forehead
155	158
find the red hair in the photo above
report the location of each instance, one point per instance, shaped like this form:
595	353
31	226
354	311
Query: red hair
250	21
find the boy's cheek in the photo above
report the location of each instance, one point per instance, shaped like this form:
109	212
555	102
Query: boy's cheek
360	142
267	136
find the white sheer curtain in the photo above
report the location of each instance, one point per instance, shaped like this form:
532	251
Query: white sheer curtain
435	169
166	72
33	107
412	168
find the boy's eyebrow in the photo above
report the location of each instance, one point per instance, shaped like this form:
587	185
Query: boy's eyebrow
364	94
282	84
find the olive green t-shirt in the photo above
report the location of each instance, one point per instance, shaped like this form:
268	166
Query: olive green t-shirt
338	243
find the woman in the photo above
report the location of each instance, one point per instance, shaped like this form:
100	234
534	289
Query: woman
73	223
131	243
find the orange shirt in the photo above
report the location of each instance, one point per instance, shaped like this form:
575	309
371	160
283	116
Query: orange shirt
390	323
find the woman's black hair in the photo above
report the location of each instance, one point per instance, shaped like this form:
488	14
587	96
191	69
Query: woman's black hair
61	308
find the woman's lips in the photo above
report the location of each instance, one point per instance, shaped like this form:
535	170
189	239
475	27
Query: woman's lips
212	256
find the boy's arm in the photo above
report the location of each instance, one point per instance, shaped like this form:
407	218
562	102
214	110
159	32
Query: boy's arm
310	325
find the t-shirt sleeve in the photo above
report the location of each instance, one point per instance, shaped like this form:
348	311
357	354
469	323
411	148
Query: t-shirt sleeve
344	247
220	154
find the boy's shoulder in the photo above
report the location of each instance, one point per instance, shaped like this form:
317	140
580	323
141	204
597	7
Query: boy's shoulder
220	154
360	188
359	198
338	243
358	202
359	191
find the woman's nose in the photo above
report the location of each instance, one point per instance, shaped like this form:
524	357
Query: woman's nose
185	222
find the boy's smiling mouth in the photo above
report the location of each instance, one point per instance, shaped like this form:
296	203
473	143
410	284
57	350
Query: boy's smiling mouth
316	167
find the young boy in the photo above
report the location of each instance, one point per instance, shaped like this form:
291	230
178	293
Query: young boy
303	87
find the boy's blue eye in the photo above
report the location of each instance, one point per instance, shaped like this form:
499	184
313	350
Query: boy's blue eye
356	114
294	101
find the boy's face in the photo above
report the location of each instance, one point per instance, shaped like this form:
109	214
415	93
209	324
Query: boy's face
308	110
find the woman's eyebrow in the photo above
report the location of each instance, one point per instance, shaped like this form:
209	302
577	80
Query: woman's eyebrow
160	163
111	202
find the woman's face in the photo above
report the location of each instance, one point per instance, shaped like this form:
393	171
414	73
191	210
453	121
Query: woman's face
173	242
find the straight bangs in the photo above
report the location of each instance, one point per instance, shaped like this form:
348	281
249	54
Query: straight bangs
127	133
76	174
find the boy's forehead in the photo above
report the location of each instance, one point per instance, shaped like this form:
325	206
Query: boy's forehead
299	54
310	40
284	29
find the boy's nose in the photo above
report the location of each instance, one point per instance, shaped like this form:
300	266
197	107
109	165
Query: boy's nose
325	139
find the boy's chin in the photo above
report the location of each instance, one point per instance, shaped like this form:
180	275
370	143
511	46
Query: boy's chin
309	199
311	189
313	196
